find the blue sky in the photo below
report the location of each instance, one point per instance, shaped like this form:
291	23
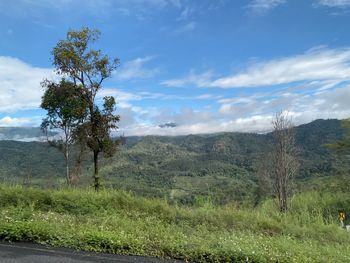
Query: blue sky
208	66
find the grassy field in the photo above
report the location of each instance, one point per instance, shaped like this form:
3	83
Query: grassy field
116	222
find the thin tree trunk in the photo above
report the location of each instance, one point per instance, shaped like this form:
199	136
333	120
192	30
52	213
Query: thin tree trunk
66	155
96	152
96	177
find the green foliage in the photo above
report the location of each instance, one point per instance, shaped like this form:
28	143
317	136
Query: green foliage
117	222
64	105
74	57
66	110
96	131
88	68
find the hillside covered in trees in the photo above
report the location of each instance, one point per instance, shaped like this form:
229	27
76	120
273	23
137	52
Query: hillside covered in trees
186	169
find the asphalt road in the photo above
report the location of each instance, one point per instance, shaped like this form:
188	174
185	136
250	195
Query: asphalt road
32	253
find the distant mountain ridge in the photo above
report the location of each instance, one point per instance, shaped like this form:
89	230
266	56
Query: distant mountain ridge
182	168
21	133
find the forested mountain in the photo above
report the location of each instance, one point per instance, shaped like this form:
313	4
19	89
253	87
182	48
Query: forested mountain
182	168
23	161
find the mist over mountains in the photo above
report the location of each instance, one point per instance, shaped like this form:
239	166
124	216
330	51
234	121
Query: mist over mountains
21	134
180	168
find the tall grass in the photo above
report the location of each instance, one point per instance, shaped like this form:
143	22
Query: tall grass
117	222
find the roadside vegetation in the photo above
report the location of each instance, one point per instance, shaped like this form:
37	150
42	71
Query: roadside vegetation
117	222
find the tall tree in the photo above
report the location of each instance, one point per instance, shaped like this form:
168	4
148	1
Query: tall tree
75	58
285	161
66	110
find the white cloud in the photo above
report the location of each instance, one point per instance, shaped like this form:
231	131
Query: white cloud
20	90
20	84
252	112
250	124
324	64
190	121
335	3
208	96
123	98
186	28
262	6
324	92
185	14
314	65
200	80
135	69
330	103
128	117
252	116
15	122
120	95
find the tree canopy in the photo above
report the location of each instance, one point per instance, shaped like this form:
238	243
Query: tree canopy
66	110
76	59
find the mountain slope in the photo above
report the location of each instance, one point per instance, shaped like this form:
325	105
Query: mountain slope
223	166
184	169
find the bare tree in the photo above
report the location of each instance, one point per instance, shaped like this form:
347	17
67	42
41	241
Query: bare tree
285	161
